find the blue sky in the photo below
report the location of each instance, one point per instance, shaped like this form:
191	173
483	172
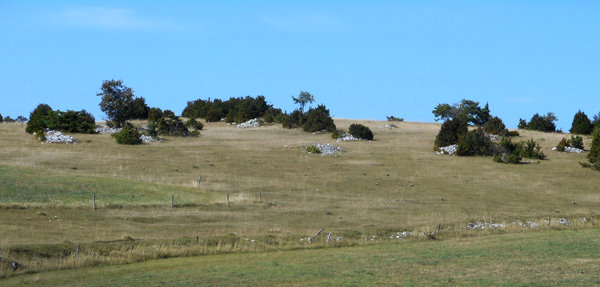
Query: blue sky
363	60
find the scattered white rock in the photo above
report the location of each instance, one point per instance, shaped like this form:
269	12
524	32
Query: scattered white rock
253	123
347	137
148	139
401	235
388	126
58	137
102	129
327	149
564	221
570	149
451	149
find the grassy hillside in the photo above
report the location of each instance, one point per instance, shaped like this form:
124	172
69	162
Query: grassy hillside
532	259
369	192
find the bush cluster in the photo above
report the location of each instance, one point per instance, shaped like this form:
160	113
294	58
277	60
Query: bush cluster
315	119
475	142
236	110
539	123
512	153
43	117
360	132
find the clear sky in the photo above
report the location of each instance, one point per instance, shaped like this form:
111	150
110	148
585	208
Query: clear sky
362	59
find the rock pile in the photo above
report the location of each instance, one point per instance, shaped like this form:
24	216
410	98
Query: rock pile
58	137
570	149
104	129
148	139
451	149
253	123
388	126
327	149
347	137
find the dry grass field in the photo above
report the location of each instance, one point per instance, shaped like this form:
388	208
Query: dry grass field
367	193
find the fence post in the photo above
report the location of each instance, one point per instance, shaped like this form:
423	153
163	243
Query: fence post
259	196
94	194
172	200
227	198
199	180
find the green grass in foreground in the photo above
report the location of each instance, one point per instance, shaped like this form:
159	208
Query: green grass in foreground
21	185
525	259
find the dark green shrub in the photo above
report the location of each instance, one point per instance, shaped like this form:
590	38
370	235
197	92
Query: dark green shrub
360	132
577	142
475	142
495	126
39	118
594	155
8	119
129	135
512	134
1	118
509	153
563	144
155	114
153	128
193	123
531	149
318	119
581	124
451	130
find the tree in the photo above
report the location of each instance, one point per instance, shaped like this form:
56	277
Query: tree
1	118
20	119
467	110
116	101
581	124
303	99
